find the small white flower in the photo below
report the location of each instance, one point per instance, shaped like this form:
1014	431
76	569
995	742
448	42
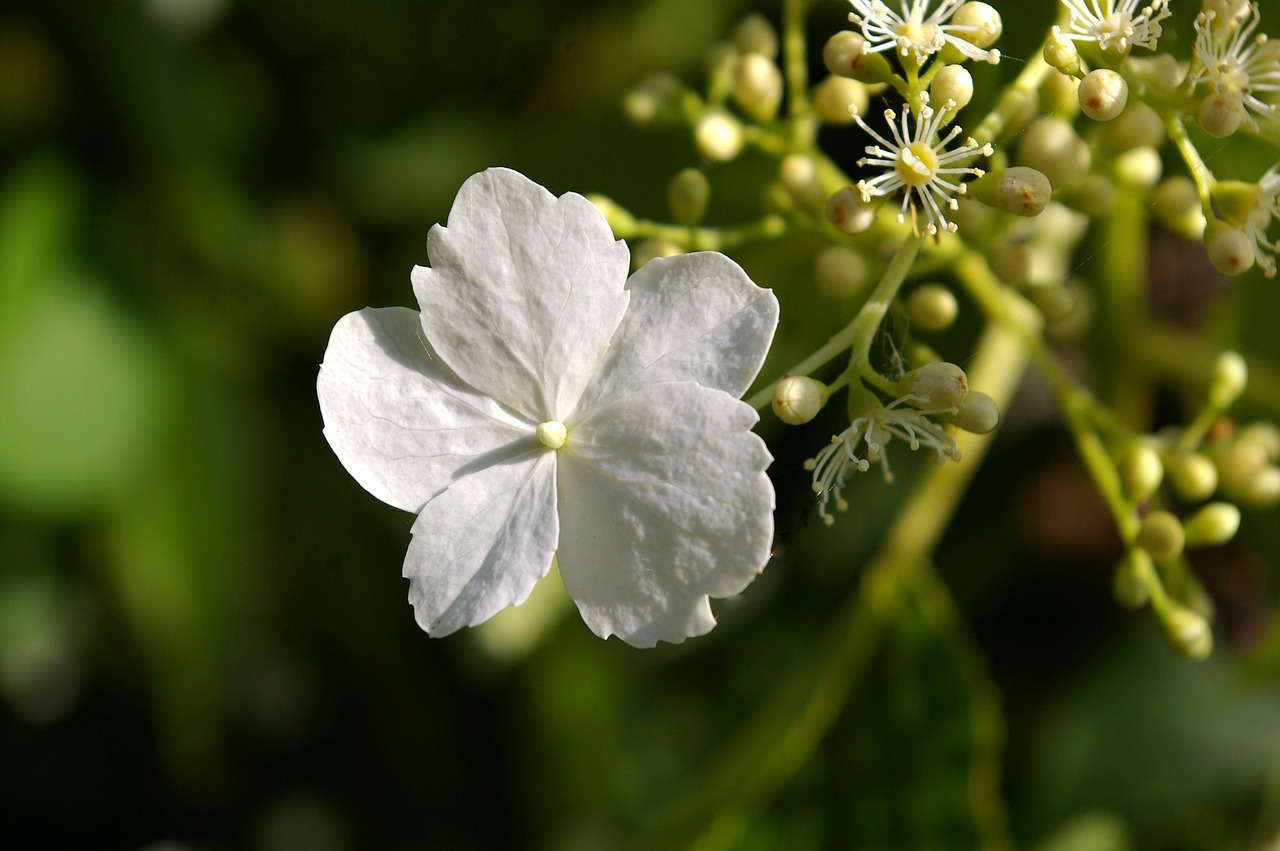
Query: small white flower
917	164
914	34
542	402
1236	62
874	430
1259	220
1115	25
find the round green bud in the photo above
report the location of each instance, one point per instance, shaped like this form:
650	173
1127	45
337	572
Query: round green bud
1141	472
1138	168
1139	126
977	23
1054	301
1220	114
1227	380
1214	524
845	54
1236	200
977	413
1239	463
848	212
655	101
1092	194
757	86
952	83
1060	52
798	174
1020	190
1193	476
1052	147
1058	95
1263	489
1262	434
1161	534
754	34
688	192
1187	632
936	387
798	399
1176	205
650	249
840	272
718	136
1230	249
1103	94
1127	583
932	308
1011	262
838	99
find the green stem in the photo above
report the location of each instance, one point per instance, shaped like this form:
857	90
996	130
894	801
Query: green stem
1195	165
795	62
1013	99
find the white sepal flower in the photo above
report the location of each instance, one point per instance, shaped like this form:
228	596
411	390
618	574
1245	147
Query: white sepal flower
917	164
542	402
1259	221
1115	25
915	34
1237	63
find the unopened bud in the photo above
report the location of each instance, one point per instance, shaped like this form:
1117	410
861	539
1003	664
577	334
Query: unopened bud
1236	200
848	212
840	271
977	23
1060	52
845	54
1139	168
1161	534
932	308
1139	126
1128	584
1092	194
1221	113
838	99
1262	489
754	34
1019	190
952	83
798	174
757	86
1228	379
718	136
936	387
1263	434
1176	205
688	192
1214	524
1052	147
655	101
1230	249
1103	94
798	399
1187	632
977	413
1141	472
1194	476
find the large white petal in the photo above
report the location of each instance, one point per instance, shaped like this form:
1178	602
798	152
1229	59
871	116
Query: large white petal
524	292
483	543
401	424
693	317
663	502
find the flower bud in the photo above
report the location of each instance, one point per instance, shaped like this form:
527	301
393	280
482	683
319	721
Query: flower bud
1139	126
1054	301
1176	205
977	413
1060	52
838	99
1230	250
757	86
932	308
1214	524
1138	168
1262	489
1239	463
1262	434
1141	472
1221	113
1194	476
936	387
1103	94
1127	584
1011	262
798	174
1187	632
840	271
1092	194
798	399
952	83
1161	534
1236	200
718	136
845	54
1019	190
977	23
1227	381
687	194
754	34
848	212
655	101
1052	147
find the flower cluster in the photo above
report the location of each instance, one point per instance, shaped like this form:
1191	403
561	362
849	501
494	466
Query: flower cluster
1241	68
1115	26
917	34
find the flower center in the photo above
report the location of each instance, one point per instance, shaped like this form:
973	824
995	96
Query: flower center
552	434
917	164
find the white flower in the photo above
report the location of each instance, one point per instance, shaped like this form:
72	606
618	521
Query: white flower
875	430
542	402
917	164
914	34
1236	64
1115	25
1259	219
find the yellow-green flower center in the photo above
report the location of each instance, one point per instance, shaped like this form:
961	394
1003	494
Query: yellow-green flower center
917	164
552	434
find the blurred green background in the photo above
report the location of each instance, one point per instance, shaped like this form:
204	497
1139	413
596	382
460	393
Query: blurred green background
204	638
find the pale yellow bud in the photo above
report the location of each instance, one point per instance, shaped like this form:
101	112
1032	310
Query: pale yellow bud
718	136
1061	53
1187	632
754	34
1221	113
845	54
1103	94
840	271
757	86
1019	190
952	83
1052	147
1162	535
1141	472
838	99
932	308
1230	250
1228	379
848	212
688	192
1214	524
1194	476
977	413
1176	205
984	20
798	399
798	174
937	387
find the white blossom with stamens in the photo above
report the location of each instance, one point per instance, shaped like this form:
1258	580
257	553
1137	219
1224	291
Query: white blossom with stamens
1116	25
874	431
1237	62
919	165
915	34
1255	226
